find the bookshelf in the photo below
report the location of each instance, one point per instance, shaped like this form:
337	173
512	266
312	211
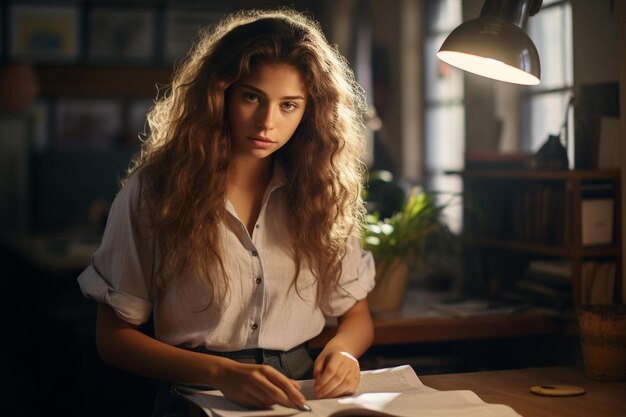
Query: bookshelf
122	81
515	220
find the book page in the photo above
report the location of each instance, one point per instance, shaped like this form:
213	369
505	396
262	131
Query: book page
412	404
214	404
398	379
390	392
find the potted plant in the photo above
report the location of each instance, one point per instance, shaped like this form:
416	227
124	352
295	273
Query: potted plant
401	242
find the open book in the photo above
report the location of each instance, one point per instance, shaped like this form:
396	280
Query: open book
389	392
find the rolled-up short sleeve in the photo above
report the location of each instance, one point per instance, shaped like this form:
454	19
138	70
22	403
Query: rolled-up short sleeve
120	272
357	279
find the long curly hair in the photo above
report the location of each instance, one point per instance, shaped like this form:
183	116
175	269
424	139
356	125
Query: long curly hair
187	153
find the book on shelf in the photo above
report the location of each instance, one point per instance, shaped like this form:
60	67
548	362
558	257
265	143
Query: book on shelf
553	282
561	269
540	206
554	274
597	212
544	283
388	392
539	294
598	282
597	221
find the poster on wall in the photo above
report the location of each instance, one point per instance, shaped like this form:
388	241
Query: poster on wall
88	123
121	35
182	27
44	33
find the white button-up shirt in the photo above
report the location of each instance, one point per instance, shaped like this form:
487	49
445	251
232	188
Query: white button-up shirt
261	308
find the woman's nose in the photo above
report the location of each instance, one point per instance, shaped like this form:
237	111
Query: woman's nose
265	117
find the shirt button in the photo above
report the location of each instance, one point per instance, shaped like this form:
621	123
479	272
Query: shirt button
254	253
254	326
258	280
257	226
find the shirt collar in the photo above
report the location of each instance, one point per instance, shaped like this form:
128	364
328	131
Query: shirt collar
279	177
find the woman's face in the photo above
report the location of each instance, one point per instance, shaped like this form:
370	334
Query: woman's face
265	108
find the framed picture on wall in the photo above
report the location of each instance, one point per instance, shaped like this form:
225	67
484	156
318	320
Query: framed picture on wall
44	33
182	27
121	35
88	123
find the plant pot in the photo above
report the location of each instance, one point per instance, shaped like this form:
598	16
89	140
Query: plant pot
388	294
603	341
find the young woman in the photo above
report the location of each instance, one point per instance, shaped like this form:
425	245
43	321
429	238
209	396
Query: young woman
238	224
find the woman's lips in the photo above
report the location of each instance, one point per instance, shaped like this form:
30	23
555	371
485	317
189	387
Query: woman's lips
261	142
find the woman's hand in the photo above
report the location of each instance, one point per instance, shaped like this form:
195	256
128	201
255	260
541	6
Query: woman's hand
336	373
258	386
122	345
336	369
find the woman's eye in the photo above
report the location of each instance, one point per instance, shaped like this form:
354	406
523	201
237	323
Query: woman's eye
250	97
289	106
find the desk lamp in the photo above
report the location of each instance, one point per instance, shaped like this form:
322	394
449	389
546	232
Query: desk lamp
495	45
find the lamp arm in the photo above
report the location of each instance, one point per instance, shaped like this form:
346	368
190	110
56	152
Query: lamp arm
534	7
514	11
570	103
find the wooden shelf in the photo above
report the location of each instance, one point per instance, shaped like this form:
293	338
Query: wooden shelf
404	329
101	81
523	208
537	248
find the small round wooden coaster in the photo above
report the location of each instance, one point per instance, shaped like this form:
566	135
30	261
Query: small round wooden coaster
557	390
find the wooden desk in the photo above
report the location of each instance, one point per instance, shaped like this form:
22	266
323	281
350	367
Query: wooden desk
602	399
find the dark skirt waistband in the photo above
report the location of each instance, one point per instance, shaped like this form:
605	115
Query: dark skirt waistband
259	355
295	363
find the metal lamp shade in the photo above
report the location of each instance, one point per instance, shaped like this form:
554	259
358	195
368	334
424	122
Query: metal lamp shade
494	48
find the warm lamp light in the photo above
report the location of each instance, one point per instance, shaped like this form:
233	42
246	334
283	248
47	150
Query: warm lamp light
495	44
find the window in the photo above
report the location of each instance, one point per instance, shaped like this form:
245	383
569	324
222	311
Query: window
444	121
543	106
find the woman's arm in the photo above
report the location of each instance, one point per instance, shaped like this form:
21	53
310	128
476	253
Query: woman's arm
122	345
336	368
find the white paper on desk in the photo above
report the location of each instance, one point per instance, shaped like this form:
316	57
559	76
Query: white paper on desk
385	392
397	379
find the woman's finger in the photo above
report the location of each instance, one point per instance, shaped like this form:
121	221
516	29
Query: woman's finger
346	387
330	383
253	397
287	387
326	373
